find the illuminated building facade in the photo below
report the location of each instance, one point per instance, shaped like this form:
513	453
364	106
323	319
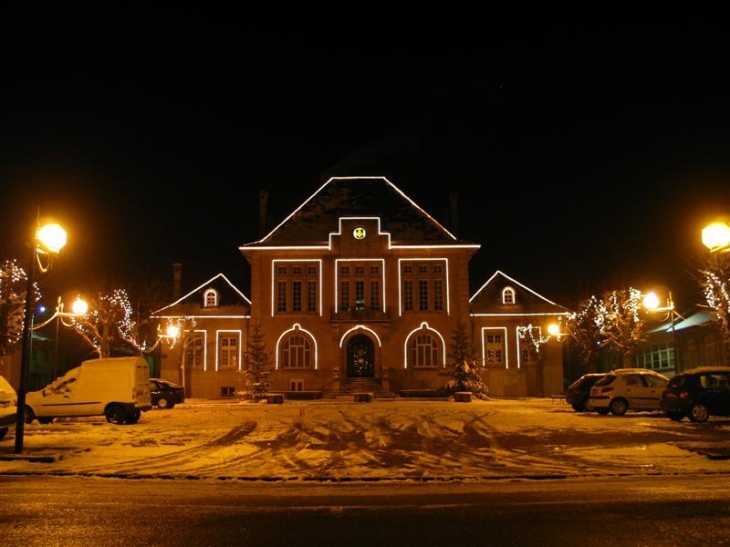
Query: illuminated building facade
360	289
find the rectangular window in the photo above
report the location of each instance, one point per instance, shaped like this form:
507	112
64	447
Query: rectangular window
375	294
344	295
227	350
311	296
296	296
408	295
423	295
291	282
194	352
281	296
360	284
494	348
359	295
438	295
428	277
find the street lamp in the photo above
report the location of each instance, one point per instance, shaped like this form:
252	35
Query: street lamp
48	240
651	303
716	237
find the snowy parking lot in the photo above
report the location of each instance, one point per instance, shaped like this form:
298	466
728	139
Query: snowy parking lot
380	440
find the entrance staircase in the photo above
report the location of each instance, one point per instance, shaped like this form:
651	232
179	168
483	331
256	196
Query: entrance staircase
348	386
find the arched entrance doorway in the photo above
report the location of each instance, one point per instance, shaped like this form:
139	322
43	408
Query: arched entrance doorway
360	357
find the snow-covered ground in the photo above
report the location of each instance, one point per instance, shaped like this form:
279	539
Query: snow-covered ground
345	440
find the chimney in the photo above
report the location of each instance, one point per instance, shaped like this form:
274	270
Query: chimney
263	202
454	200
176	280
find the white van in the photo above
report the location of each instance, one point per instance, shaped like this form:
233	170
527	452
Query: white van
115	387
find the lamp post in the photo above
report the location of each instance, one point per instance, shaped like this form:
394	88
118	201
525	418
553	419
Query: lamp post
651	303
48	240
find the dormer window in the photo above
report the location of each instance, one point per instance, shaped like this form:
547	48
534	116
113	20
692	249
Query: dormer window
210	299
508	296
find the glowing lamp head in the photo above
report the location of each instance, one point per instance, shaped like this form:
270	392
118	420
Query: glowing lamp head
651	301
79	307
173	331
554	329
716	236
51	238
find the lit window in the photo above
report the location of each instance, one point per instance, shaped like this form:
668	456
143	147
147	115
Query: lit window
211	299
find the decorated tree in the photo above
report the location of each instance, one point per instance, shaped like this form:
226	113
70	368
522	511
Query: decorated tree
713	277
257	372
109	324
624	323
615	322
13	287
465	371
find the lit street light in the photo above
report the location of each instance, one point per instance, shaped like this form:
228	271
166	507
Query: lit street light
716	236
47	241
651	303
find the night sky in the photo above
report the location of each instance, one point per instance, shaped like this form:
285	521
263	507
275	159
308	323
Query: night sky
582	160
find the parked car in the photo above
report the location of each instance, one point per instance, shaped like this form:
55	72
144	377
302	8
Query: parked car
576	394
8	407
698	393
627	389
166	394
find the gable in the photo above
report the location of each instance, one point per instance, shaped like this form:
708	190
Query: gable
227	296
358	197
489	298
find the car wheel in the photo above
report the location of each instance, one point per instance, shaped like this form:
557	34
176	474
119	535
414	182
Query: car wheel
134	417
619	407
675	416
115	414
578	407
45	421
28	415
163	403
602	411
3	432
699	412
170	405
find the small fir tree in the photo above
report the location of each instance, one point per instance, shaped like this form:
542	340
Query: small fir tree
466	371
257	373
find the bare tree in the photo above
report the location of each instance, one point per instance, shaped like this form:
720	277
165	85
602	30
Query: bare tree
584	327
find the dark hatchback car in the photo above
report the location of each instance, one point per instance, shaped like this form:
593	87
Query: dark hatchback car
166	394
576	394
698	393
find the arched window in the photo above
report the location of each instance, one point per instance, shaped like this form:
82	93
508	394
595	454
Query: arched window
423	351
210	299
296	351
508	296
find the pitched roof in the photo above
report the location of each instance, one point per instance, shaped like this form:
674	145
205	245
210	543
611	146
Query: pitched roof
488	299
228	295
359	197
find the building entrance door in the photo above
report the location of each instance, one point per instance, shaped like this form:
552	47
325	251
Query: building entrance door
360	357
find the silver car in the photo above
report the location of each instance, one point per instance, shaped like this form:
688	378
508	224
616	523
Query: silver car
627	389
